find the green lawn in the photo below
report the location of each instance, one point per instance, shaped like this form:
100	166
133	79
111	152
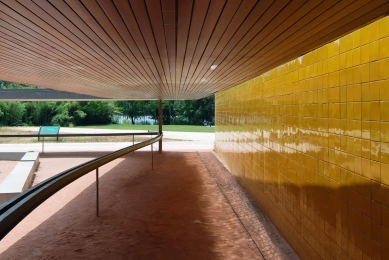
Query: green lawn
176	128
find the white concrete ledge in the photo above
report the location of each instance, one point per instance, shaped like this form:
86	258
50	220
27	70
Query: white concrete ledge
20	178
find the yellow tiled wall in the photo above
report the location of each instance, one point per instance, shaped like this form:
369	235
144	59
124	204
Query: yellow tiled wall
309	140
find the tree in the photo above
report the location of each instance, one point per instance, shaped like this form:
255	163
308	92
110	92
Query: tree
197	112
130	109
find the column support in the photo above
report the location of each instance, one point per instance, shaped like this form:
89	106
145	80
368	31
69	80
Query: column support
160	124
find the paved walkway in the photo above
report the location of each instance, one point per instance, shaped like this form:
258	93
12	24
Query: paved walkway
176	211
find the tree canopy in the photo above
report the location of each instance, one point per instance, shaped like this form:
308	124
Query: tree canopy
76	113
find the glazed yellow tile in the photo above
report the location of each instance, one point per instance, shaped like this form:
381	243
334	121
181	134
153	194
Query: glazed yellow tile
385	173
384	48
384	89
366	111
357	77
375	131
349	42
374	51
343	60
384	68
384	109
384	130
374	29
384	27
350	76
365	72
301	125
374	70
343	44
349	58
350	93
365	148
365	35
342	77
357	110
357	38
385	157
343	94
374	89
375	170
365	54
356	56
357	128
357	92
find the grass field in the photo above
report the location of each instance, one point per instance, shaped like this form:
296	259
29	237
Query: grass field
176	128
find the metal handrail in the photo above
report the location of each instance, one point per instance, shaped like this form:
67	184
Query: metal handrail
16	209
72	135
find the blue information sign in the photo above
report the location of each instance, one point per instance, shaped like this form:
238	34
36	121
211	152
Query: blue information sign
48	130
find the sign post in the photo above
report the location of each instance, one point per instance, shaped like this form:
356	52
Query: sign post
48	130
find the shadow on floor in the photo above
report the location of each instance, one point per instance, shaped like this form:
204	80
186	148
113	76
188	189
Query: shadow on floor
173	211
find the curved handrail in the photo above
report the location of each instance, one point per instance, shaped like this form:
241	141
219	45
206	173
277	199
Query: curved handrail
16	209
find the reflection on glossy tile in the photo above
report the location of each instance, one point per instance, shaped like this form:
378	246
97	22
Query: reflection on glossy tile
310	141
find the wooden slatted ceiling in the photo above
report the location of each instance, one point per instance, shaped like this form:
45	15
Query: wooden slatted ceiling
164	49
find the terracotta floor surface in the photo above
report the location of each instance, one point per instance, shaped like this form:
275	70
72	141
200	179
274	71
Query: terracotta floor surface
179	210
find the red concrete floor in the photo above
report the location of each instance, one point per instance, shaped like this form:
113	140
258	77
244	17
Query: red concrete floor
180	210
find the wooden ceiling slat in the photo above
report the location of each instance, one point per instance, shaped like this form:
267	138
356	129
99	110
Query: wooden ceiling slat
169	23
36	50
291	33
128	17
106	47
145	27
39	44
274	34
42	72
49	23
217	42
184	18
61	82
332	23
155	14
276	13
225	19
114	41
199	39
199	12
40	53
39	63
52	40
263	15
130	48
361	18
34	61
164	49
284	38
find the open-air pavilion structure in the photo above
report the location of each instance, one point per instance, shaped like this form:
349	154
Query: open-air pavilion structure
301	94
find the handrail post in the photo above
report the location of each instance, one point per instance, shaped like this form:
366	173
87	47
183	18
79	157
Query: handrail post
160	124
97	192
152	157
